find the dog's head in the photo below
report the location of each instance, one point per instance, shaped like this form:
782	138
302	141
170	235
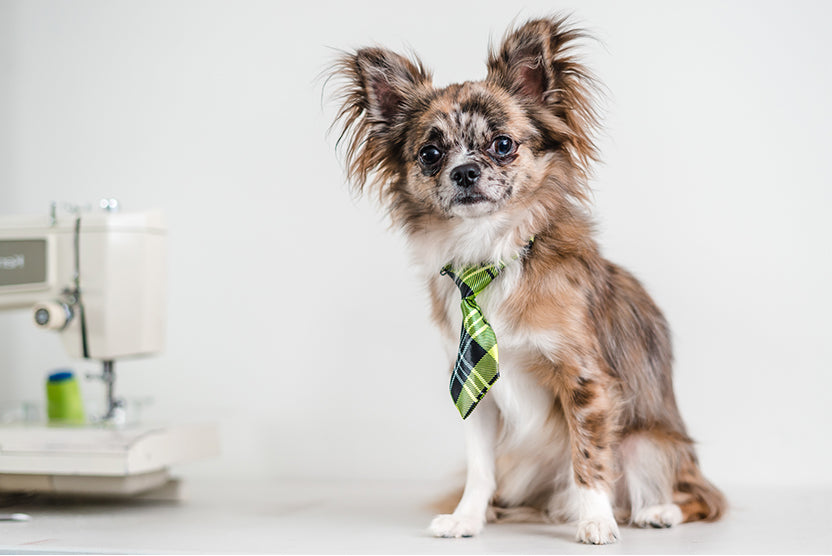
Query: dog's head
473	149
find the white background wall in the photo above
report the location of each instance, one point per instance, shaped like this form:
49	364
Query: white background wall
287	297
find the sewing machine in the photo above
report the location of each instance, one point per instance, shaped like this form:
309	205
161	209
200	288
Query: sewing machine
96	278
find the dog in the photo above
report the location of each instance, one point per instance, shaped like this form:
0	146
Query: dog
582	424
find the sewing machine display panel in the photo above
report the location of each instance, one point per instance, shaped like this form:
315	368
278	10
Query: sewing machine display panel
23	263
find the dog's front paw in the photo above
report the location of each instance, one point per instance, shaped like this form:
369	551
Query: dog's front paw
455	526
602	530
665	515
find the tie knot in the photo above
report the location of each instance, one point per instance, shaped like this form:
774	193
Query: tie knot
471	280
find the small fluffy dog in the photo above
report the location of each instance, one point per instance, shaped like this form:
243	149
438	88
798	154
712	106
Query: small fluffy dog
582	423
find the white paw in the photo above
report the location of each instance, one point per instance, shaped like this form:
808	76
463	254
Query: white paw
602	530
665	515
455	526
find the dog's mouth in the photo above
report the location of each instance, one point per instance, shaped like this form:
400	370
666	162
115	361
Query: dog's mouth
470	199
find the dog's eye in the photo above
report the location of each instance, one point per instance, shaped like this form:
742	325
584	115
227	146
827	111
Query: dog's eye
502	146
429	155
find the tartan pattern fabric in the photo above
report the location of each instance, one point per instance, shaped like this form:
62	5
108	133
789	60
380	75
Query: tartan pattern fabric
476	367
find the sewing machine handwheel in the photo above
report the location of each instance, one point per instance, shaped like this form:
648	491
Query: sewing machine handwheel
53	315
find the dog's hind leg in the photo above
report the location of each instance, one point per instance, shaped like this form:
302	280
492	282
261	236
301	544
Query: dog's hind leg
648	467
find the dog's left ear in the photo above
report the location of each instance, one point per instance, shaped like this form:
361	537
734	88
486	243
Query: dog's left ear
534	60
536	63
380	88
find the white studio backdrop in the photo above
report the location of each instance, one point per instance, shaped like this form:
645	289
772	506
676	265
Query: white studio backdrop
288	298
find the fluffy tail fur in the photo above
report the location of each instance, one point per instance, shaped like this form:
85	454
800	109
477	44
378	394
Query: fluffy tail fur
695	495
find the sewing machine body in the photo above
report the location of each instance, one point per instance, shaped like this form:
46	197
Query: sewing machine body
121	278
98	279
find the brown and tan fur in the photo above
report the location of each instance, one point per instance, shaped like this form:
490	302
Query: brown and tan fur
580	330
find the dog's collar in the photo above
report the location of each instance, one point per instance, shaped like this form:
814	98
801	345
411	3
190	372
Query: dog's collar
499	266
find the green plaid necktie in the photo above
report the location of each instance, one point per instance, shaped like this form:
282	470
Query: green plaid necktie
476	366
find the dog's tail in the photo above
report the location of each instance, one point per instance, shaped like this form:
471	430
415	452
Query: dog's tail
695	495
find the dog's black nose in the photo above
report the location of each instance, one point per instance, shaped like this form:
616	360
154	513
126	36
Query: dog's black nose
465	175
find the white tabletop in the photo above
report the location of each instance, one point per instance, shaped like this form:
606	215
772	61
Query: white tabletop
283	516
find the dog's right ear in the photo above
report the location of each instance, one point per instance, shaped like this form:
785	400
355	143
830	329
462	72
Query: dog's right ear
380	90
388	80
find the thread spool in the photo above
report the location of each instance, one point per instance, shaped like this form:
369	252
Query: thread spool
63	399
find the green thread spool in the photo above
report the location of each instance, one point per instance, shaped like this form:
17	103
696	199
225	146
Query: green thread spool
63	399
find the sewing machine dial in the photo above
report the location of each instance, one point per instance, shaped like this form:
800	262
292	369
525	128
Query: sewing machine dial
53	315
